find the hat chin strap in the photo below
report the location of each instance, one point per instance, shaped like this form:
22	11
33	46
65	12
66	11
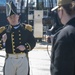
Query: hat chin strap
9	9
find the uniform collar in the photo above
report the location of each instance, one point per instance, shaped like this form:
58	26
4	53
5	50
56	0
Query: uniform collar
71	22
16	26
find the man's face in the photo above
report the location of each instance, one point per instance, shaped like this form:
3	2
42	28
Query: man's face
13	19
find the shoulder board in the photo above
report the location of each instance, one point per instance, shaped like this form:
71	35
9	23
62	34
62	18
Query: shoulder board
2	29
27	27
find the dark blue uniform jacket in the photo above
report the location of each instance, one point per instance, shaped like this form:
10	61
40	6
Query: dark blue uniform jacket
16	37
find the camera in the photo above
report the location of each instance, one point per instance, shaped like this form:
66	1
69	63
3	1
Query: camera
46	20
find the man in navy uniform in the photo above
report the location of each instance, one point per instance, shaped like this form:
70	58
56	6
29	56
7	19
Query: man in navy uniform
18	40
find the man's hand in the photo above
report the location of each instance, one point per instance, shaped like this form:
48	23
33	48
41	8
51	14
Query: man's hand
4	38
21	47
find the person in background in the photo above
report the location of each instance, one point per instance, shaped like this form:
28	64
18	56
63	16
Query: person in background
18	40
63	45
56	26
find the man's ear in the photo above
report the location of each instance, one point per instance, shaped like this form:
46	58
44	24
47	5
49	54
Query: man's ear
7	18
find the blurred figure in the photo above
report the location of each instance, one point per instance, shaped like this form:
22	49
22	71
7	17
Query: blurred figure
63	45
56	26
